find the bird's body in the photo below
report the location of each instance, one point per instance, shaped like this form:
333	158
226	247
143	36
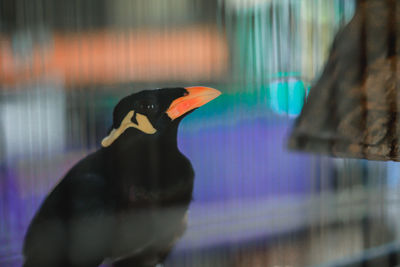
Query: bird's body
126	202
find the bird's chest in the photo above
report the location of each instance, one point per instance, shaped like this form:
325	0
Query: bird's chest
148	230
144	187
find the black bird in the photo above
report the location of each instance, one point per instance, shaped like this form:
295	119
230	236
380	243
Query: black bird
127	202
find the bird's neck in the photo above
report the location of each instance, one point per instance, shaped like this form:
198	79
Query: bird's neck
164	143
139	154
138	142
151	164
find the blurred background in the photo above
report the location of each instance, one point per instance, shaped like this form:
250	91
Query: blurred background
65	64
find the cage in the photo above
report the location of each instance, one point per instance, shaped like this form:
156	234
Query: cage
64	65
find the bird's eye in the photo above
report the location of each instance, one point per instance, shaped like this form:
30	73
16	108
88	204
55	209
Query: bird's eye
145	106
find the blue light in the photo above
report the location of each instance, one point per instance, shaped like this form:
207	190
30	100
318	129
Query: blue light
287	96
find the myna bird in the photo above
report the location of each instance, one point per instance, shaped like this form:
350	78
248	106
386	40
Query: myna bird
127	202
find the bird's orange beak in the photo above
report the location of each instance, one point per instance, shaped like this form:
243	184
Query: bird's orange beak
196	97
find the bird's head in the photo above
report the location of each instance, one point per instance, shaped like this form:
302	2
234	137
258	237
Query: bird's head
152	112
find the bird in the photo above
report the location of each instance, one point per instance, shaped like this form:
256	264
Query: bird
126	203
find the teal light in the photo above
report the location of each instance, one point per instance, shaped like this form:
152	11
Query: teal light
287	96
